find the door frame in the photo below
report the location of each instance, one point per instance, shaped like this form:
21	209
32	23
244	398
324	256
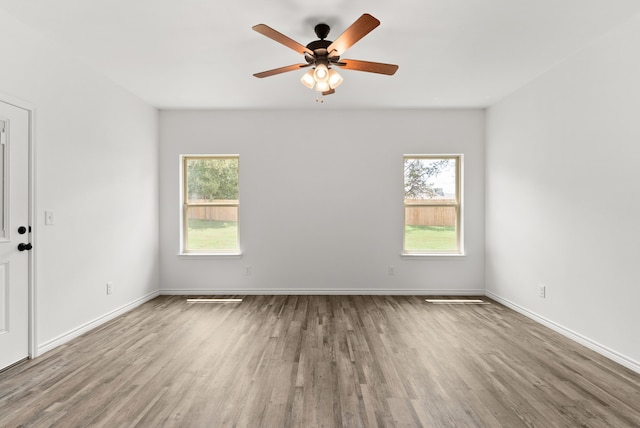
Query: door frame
32	328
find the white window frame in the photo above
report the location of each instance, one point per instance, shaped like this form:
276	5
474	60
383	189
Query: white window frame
457	204
185	204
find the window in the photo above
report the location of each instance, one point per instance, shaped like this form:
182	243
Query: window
210	204
432	204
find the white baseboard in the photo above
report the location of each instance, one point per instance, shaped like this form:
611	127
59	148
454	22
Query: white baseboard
322	291
585	341
51	344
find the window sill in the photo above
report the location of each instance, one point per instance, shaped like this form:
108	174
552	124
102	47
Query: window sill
439	257
198	256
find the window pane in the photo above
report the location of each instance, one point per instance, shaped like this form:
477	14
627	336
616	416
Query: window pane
212	228
212	179
430	229
429	180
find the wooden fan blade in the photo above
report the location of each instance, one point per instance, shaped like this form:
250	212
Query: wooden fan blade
360	28
281	70
329	92
265	30
368	66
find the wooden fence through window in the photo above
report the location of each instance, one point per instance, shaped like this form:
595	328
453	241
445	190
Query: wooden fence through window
414	216
430	216
217	213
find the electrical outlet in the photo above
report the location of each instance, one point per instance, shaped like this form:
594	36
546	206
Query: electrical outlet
247	270
542	290
109	287
391	270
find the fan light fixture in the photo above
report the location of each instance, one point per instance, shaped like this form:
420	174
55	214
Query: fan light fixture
323	56
322	78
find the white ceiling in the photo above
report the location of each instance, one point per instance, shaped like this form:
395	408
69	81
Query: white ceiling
202	53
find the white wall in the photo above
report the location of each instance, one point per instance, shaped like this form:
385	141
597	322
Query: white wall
563	199
96	167
321	200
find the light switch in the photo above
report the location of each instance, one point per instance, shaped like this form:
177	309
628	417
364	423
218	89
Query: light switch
48	217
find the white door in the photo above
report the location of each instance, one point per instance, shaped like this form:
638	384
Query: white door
14	231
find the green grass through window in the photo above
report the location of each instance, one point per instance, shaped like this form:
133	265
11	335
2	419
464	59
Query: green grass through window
430	238
212	235
223	235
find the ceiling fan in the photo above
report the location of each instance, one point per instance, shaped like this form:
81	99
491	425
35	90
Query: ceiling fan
322	55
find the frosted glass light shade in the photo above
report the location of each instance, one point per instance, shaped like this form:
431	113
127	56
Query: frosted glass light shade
322	86
334	79
308	80
321	73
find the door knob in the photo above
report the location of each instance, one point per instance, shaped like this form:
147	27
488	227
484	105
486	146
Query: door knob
22	246
22	230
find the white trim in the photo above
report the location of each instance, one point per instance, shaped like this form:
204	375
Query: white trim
17	102
433	257
33	289
321	291
576	337
459	205
183	207
72	334
199	256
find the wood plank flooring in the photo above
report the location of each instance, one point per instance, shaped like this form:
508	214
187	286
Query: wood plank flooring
320	361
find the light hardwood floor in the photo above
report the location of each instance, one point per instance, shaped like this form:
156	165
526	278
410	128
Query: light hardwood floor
320	361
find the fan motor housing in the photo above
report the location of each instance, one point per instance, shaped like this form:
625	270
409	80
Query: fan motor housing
319	47
319	44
